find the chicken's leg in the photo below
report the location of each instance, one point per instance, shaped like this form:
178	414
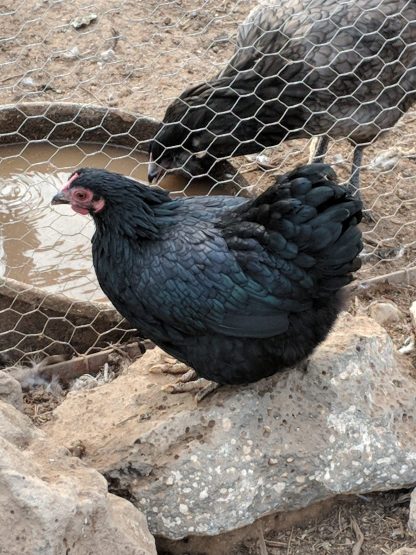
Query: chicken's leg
353	184
189	380
319	151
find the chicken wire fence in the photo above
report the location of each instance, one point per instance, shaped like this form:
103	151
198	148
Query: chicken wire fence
84	84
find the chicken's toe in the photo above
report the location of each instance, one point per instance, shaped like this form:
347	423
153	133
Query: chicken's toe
369	217
201	386
189	380
189	376
208	388
170	366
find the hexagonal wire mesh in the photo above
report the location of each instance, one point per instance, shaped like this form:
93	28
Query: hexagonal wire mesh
111	65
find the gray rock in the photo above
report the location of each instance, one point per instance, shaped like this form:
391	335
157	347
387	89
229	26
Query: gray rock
405	551
412	512
107	55
15	427
54	504
386	160
413	314
10	390
347	425
83	20
385	312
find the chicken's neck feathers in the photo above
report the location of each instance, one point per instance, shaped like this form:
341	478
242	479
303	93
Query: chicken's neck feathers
136	216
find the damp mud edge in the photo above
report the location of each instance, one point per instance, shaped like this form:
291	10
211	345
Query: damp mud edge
64	122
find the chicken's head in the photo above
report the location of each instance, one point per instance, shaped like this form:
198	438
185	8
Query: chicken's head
178	149
80	194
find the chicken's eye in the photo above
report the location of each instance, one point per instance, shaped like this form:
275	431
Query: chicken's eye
80	195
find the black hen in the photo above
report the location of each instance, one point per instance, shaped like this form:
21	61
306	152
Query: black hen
302	68
238	289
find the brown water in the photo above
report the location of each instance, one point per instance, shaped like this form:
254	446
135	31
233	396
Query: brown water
49	246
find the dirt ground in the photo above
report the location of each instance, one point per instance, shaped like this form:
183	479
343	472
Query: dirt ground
379	520
137	56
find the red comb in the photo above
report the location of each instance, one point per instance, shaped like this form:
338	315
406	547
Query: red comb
73	178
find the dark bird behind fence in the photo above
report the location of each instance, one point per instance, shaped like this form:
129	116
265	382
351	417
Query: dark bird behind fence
301	69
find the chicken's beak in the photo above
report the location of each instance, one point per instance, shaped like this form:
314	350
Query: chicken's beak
154	172
60	198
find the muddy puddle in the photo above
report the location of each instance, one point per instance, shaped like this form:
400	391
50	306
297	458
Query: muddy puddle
47	246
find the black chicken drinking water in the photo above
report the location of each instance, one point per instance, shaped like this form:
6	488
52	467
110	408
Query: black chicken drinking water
236	288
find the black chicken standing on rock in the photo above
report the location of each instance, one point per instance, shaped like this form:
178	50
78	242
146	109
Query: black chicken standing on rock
236	288
302	68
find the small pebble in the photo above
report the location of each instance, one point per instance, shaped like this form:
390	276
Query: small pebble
408	346
71	54
385	161
83	20
27	82
385	312
183	509
107	55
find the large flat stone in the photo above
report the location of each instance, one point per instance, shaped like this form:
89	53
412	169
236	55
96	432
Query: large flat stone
347	425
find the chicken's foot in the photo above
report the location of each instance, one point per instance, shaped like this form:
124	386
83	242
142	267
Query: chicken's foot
188	382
